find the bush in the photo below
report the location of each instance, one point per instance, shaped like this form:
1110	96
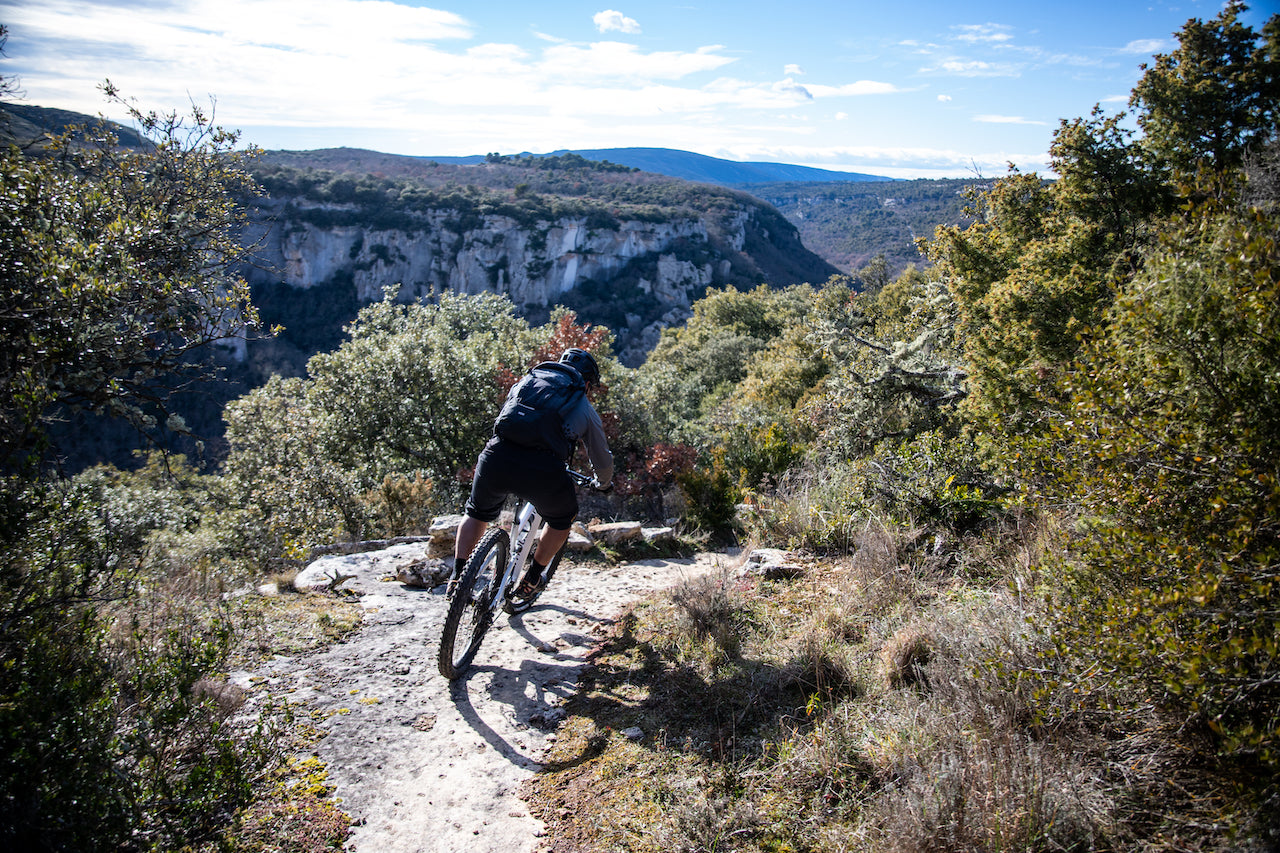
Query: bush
709	611
1177	595
57	690
711	495
105	702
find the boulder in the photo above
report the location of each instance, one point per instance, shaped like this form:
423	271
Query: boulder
658	535
580	539
771	564
617	532
442	533
323	574
444	529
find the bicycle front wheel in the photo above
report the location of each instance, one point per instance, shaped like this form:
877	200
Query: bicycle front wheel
471	609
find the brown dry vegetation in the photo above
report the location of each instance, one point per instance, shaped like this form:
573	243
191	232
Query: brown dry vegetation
878	702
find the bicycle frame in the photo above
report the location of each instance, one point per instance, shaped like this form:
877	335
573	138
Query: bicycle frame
527	522
482	599
524	532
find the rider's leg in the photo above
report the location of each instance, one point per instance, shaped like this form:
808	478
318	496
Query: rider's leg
549	545
469	533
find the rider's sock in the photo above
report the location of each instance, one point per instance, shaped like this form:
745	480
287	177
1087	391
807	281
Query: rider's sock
534	575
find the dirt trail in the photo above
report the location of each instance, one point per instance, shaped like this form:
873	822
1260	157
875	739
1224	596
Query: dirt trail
423	765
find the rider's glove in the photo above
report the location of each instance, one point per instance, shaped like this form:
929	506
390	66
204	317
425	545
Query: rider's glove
604	488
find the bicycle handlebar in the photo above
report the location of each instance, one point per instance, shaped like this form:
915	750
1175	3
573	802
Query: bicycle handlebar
580	478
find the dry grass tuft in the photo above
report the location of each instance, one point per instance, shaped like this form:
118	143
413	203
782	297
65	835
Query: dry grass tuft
904	659
709	610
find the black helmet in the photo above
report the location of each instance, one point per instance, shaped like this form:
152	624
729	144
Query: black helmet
583	362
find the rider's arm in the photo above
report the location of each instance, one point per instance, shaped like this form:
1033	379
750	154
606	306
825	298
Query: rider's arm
584	423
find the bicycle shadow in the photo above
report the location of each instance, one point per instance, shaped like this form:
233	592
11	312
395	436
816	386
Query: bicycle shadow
531	694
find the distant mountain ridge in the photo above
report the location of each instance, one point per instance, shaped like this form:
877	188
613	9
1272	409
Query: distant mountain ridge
696	167
30	121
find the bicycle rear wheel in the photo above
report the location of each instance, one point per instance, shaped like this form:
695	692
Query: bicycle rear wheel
470	612
513	604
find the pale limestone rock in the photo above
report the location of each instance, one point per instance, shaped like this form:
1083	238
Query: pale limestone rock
658	535
580	539
771	564
617	532
444	529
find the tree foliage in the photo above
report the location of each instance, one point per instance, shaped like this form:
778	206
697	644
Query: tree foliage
1175	419
411	395
1214	97
1120	330
115	273
695	367
114	278
895	370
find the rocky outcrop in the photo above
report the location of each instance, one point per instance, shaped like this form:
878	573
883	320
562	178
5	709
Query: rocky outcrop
533	265
636	275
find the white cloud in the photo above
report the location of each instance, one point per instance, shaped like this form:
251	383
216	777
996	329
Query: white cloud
973	68
860	87
730	92
1146	47
385	65
944	98
998	119
791	87
610	20
990	33
793	71
841	116
618	59
894	161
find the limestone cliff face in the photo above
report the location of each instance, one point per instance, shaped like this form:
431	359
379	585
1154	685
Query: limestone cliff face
636	275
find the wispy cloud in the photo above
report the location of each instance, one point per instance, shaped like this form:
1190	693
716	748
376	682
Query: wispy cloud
791	87
610	21
891	159
955	67
998	119
985	33
618	59
857	88
385	65
1146	47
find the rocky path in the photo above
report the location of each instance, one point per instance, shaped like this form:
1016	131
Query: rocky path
423	765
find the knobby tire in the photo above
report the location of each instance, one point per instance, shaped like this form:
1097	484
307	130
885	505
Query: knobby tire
469	610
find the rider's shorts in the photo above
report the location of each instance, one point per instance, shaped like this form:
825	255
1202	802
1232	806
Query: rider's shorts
534	475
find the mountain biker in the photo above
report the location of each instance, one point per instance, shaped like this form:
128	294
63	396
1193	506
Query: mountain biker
530	461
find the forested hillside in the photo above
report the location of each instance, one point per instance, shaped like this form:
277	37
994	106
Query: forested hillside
850	224
1029	495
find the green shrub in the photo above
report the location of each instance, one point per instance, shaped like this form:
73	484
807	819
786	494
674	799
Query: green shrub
110	728
57	690
711	495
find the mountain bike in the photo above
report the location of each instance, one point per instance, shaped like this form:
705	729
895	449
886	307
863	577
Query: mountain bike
488	582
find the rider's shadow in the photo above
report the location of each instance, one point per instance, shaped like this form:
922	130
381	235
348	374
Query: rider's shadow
574	639
534	692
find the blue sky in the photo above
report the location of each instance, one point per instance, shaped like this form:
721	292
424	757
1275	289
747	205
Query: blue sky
903	89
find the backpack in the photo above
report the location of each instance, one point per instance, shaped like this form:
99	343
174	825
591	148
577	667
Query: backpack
535	411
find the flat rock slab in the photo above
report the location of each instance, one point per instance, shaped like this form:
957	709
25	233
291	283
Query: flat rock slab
421	764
